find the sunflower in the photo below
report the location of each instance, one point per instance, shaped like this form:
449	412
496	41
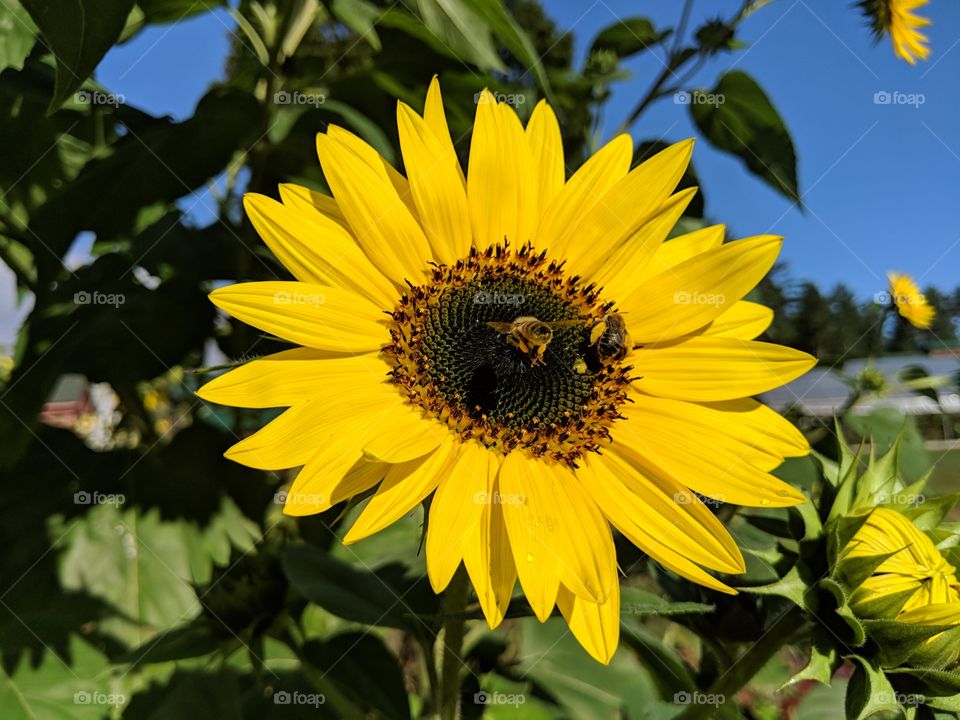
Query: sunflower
521	348
910	302
914	575
896	19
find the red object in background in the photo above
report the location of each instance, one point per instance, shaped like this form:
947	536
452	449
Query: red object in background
69	400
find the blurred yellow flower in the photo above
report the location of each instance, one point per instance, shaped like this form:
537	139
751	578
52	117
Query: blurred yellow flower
896	19
915	564
910	302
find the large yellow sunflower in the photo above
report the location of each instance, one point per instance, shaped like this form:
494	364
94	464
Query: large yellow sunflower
896	19
523	347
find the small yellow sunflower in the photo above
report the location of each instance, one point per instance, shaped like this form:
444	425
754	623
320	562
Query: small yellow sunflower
915	565
910	302
896	19
523	347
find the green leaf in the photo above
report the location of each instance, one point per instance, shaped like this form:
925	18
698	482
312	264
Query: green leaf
926	681
193	640
463	29
346	591
628	36
898	641
514	38
839	595
668	669
868	691
171	11
360	16
791	586
639	602
744	122
53	689
823	663
17	34
78	33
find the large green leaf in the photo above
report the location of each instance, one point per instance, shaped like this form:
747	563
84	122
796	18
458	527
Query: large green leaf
78	33
738	117
360	16
458	25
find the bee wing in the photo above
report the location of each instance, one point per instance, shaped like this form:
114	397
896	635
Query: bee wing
503	327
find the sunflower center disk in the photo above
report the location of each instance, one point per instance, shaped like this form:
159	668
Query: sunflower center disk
457	353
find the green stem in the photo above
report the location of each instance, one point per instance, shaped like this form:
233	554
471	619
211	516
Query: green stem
455	600
747	665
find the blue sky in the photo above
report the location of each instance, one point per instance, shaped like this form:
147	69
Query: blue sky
879	181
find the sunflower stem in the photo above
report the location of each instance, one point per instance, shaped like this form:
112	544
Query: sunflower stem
454	603
725	687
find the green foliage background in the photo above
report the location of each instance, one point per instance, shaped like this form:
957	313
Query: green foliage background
151	578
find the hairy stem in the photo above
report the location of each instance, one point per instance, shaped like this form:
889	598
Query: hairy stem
455	600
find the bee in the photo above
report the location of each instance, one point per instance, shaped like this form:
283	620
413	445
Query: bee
530	335
611	338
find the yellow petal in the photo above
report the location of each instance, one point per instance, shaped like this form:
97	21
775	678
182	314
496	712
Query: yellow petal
456	511
489	560
409	435
546	152
332	476
383	225
500	189
298	433
695	292
303	199
583	190
436	186
706	369
533	526
436	120
658	514
404	487
290	377
316	249
745	320
650	532
317	316
596	627
702	457
616	272
623	209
